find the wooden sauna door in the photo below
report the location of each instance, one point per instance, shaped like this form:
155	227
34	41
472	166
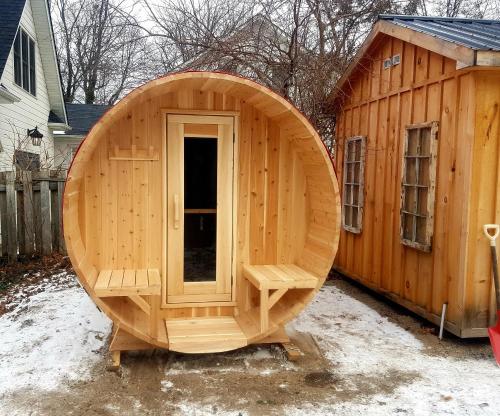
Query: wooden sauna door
199	208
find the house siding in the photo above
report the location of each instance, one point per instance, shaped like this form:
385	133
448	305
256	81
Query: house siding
31	111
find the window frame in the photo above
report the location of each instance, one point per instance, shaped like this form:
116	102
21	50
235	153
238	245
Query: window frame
431	187
360	184
25	78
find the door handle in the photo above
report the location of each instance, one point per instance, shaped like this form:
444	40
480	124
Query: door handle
176	211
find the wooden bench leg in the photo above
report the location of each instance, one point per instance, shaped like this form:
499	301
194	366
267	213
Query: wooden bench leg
264	310
115	356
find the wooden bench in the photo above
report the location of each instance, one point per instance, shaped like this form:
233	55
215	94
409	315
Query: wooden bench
128	282
278	278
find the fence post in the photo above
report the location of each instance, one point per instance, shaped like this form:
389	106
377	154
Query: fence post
29	230
10	189
3	216
60	192
45	211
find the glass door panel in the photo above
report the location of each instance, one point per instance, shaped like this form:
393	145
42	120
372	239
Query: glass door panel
200	209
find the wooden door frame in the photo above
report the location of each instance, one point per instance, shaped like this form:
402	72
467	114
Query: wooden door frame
196	117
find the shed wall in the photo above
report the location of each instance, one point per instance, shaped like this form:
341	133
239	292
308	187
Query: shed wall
479	301
424	87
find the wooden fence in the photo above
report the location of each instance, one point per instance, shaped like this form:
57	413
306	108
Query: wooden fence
31	213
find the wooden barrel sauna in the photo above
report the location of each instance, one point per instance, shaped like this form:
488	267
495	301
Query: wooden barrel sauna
202	213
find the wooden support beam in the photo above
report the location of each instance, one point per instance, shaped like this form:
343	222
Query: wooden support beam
276	296
123	341
141	303
264	310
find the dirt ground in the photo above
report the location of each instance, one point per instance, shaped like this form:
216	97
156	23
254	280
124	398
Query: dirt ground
338	373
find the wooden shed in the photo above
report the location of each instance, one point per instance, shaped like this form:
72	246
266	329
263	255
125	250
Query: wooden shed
201	214
418	160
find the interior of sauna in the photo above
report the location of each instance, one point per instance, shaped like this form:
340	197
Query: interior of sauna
202	212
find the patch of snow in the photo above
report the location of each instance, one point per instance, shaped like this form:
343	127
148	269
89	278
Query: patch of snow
166	385
50	337
358	340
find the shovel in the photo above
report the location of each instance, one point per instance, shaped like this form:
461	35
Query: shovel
494	331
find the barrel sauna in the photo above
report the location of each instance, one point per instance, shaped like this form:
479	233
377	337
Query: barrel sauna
201	213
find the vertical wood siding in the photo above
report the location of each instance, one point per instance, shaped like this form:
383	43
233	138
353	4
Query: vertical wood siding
424	87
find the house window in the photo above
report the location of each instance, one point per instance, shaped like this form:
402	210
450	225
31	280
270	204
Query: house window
24	62
354	165
419	185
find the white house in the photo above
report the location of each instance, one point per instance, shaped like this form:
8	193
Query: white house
30	86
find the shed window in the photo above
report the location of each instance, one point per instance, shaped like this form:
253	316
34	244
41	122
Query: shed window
354	164
418	185
24	62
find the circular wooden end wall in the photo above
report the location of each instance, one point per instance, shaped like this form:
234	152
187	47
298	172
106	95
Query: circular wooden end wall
202	161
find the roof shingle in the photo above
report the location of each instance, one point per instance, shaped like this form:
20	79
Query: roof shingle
10	15
81	117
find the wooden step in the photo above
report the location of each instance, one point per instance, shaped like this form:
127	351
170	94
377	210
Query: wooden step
128	282
204	334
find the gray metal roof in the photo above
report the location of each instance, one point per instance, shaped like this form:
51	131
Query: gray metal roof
475	34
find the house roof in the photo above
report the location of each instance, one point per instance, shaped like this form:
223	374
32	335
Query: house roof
10	15
81	117
469	42
475	34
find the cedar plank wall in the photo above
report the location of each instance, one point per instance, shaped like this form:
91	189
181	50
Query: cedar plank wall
424	87
479	308
273	218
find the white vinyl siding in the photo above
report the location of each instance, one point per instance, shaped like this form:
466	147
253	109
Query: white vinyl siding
31	111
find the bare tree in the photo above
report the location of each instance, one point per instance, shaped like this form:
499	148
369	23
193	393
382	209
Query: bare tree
101	49
299	48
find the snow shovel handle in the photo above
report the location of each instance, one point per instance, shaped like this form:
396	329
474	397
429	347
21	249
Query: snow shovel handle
491	237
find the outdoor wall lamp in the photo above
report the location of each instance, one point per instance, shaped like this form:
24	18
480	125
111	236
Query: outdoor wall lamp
36	136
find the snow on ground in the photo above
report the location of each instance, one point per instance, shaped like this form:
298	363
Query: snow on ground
58	336
358	340
50	337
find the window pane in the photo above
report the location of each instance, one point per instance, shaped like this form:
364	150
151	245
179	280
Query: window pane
355	194
425	141
350	174
422	201
423	172
413	142
411	171
348	216
348	194
199	247
351	151
32	68
358	150
410	201
17	59
200	173
25	59
421	226
357	169
408	226
355	217
200	193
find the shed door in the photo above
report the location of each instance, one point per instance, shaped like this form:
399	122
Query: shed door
199	208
